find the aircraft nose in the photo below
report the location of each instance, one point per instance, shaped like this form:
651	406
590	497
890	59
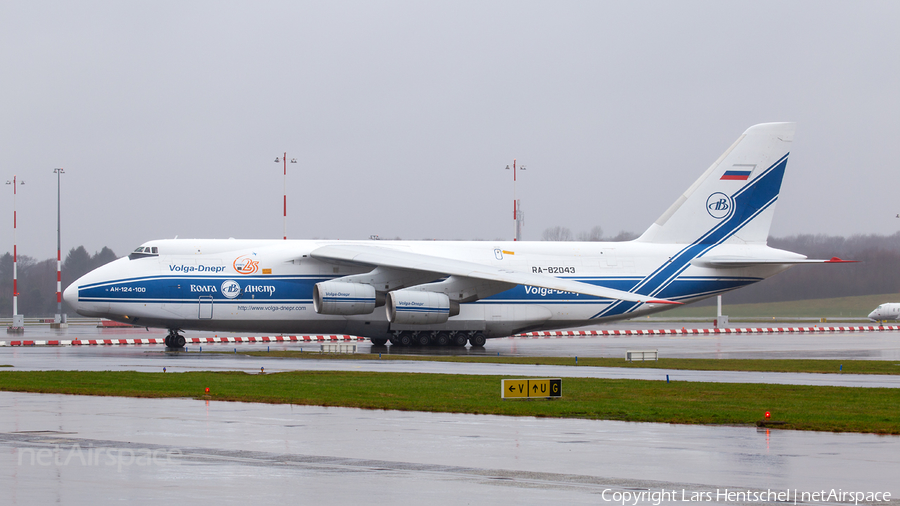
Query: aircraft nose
70	295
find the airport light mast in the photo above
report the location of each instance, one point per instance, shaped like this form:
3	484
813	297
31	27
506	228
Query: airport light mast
518	215
293	160
18	323
59	320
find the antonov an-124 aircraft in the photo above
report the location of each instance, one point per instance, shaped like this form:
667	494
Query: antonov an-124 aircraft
448	293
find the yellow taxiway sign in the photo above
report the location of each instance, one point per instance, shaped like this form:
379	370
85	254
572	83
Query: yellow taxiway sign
530	388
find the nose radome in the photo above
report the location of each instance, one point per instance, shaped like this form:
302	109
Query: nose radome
70	295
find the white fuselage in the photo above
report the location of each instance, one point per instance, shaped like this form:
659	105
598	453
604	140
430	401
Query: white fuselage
267	285
886	311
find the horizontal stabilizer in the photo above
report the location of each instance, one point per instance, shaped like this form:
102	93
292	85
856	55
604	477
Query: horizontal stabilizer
735	261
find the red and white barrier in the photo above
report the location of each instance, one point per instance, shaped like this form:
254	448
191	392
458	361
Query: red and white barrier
556	334
188	340
686	331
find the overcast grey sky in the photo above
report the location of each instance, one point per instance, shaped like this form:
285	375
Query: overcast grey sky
167	116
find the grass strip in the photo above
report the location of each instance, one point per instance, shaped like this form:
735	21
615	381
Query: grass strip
818	408
690	364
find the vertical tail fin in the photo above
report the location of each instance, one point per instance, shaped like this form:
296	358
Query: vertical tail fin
734	200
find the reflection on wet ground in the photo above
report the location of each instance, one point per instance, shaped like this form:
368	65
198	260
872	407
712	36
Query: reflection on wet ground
233	453
196	451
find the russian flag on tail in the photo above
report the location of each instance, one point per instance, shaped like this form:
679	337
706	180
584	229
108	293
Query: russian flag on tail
735	175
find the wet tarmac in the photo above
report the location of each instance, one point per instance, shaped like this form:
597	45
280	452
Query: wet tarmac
180	451
879	345
184	451
153	358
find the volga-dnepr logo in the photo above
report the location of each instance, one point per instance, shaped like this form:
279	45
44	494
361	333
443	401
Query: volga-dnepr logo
719	205
246	265
231	288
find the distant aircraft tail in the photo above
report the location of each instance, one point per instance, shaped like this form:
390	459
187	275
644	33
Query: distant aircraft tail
734	200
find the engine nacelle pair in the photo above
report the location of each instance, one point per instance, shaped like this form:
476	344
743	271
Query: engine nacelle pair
409	307
417	308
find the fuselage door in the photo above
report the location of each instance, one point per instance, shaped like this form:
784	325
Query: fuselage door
206	307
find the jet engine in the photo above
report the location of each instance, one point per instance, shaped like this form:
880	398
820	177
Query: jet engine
335	297
417	307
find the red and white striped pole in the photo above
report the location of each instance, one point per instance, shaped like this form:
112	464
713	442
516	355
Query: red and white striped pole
293	160
60	317
15	255
515	204
517	213
17	325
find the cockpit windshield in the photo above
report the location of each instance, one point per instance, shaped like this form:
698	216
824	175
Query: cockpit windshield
144	251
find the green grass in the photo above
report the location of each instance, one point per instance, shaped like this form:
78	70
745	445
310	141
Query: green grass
692	364
800	407
836	308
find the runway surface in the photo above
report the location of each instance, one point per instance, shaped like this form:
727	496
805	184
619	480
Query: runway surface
833	345
197	452
154	358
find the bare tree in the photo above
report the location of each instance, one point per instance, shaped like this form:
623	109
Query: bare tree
557	233
625	236
596	234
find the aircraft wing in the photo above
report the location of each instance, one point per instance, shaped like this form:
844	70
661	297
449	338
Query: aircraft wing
738	261
404	260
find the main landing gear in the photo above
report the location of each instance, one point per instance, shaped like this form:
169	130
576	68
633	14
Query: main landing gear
429	338
174	339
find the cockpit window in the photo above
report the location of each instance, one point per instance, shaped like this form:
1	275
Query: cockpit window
144	251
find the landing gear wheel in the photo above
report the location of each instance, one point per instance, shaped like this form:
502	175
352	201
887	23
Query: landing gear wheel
378	342
460	339
405	338
174	339
423	339
477	339
442	339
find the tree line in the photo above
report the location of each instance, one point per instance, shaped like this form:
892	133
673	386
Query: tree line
876	272
37	280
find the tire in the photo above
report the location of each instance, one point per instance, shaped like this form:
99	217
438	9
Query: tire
423	339
442	339
179	342
168	341
379	342
404	339
460	339
477	339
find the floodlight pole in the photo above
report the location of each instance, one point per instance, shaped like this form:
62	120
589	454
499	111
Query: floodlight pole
517	211
59	320
293	160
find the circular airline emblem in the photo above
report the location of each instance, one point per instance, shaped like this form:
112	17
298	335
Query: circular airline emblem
719	205
245	265
231	288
